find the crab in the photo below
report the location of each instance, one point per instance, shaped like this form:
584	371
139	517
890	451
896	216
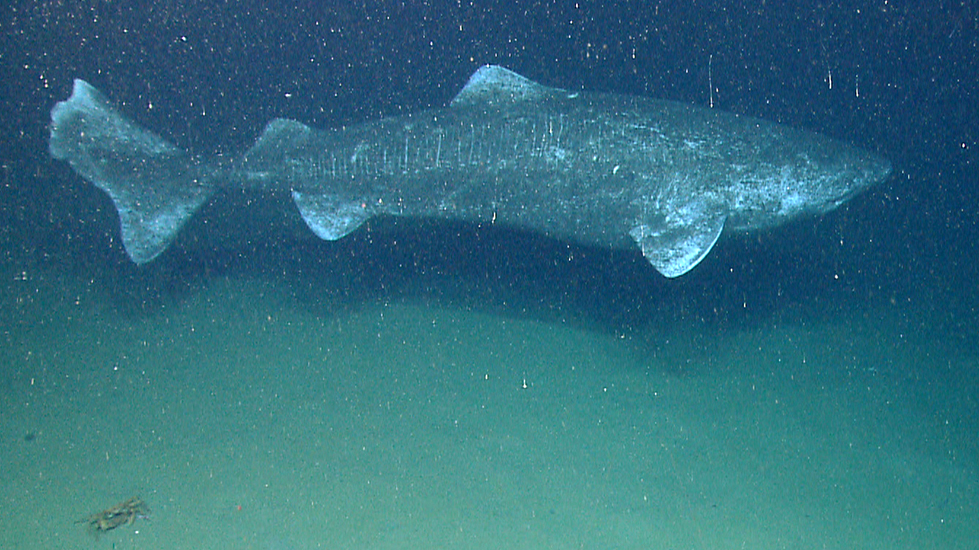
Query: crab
124	513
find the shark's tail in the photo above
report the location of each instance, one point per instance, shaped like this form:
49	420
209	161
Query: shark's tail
156	187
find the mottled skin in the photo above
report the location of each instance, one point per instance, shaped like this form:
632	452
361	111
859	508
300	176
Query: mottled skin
604	169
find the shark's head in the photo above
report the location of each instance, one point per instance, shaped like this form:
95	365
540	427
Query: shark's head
837	174
806	175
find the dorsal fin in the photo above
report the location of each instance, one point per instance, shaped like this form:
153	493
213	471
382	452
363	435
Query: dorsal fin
494	85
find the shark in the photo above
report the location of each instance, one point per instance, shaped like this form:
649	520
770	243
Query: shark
606	169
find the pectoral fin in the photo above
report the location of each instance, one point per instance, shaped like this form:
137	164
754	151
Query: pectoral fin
674	247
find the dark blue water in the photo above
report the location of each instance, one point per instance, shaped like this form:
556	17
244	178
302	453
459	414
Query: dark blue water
823	373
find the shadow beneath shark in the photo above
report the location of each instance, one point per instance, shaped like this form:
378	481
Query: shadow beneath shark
767	277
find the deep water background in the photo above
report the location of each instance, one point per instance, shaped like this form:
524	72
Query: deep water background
892	76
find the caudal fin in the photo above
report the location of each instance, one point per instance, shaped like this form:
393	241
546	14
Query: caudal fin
155	186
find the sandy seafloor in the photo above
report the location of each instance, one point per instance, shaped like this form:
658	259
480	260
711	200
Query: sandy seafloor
246	422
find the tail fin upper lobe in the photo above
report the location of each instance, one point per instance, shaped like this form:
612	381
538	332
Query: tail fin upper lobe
155	186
